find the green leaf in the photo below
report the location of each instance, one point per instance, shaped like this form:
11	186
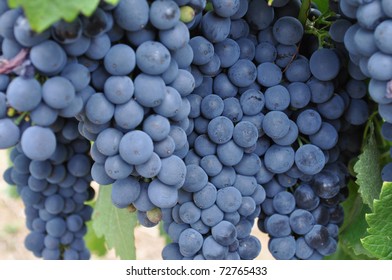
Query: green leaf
379	241
323	5
368	170
41	14
354	227
96	245
116	225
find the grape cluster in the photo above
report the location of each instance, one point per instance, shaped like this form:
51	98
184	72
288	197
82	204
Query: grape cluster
206	117
368	40
54	192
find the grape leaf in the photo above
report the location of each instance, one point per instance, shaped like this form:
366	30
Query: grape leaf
96	245
368	170
322	5
354	227
379	240
116	225
41	14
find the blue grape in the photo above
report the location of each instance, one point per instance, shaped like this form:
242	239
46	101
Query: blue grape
38	143
288	30
136	147
175	37
205	197
190	242
380	66
324	64
119	89
189	213
120	60
164	14
98	109
48	57
229	199
309	159
214	27
213	250
132	15
305	197
221	130
242	73
125	191
152	58
212	216
269	74
259	14
196	179
173	170
282	248
149	90
276	124
9	133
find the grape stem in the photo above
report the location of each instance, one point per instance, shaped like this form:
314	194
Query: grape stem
7	66
304	11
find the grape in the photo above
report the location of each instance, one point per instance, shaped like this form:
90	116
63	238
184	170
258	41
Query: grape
245	134
326	137
24	94
215	28
365	42
243	73
276	124
277	98
190	242
338	30
203	50
206	197
164	14
152	58
380	66
7	23
98	109
269	74
119	89
279	159
259	14
149	90
228	52
24	34
136	147
196	179
131	15
324	64
48	57
125	191
213	250
173	170
175	37
370	14
309	159
9	134
67	32
38	143
63	89
288	30
128	115
221	129
228	199
120	60
317	237
282	248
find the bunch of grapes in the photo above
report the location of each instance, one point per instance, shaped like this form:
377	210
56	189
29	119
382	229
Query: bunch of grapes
210	117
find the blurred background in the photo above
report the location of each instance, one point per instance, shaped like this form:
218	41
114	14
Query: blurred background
148	241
